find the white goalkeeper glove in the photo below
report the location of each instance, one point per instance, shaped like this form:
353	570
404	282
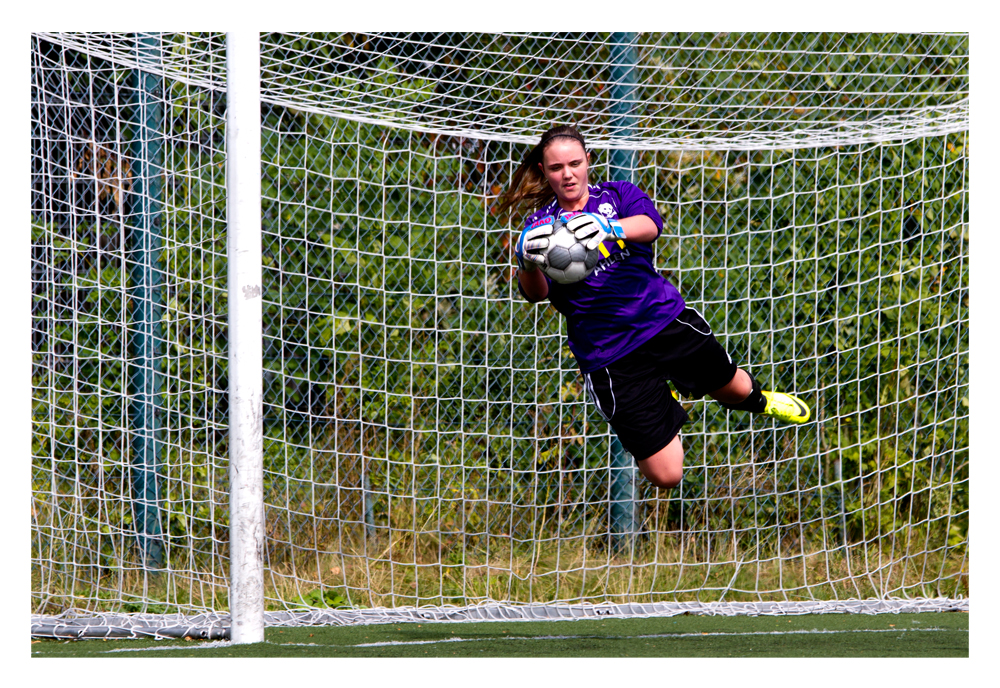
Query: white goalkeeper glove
530	247
592	228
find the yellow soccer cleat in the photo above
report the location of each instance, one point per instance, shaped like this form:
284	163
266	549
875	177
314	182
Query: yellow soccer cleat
785	407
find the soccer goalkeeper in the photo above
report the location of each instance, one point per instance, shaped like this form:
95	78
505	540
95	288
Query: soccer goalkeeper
628	326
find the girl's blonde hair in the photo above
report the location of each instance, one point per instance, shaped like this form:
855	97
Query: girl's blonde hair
529	190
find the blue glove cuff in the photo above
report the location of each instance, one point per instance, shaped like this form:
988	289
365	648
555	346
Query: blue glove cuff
613	227
616	229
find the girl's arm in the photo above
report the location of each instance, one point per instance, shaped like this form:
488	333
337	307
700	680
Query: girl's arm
533	284
639	228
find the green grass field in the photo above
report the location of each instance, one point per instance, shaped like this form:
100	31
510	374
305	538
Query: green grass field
827	635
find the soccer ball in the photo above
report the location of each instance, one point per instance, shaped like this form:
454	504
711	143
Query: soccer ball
566	259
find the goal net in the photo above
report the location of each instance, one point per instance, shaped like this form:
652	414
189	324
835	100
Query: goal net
429	452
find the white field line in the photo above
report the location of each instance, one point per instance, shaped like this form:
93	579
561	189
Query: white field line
814	631
396	643
186	646
206	646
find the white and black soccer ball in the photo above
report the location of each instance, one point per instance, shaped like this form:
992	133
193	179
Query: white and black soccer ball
567	260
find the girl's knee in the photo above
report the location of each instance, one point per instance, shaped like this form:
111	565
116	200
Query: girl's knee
665	468
667	480
736	390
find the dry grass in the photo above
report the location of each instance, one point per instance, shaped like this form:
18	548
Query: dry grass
415	571
437	559
658	568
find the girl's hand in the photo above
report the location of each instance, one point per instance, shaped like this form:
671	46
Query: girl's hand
592	229
530	246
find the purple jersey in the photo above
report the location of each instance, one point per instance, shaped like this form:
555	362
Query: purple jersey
624	301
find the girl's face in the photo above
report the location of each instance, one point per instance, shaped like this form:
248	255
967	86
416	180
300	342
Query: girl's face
564	164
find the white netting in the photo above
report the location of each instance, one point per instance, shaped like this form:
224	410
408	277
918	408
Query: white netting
427	441
691	91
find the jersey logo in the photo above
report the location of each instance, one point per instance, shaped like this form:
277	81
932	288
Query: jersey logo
603	248
609	260
605	209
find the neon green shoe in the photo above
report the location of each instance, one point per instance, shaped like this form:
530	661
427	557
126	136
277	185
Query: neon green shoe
785	407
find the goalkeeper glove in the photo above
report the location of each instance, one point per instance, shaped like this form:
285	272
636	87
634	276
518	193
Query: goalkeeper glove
592	228
530	247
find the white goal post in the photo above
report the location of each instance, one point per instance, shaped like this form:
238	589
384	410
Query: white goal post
346	335
246	391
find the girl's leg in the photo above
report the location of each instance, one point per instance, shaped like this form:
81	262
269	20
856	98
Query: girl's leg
736	391
665	468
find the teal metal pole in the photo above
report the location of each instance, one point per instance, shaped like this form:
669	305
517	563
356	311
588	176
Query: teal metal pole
623	90
623	518
369	506
146	335
623	101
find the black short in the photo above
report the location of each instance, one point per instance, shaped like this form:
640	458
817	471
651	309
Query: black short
633	395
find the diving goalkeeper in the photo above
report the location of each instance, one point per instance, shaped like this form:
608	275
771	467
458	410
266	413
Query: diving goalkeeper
628	326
